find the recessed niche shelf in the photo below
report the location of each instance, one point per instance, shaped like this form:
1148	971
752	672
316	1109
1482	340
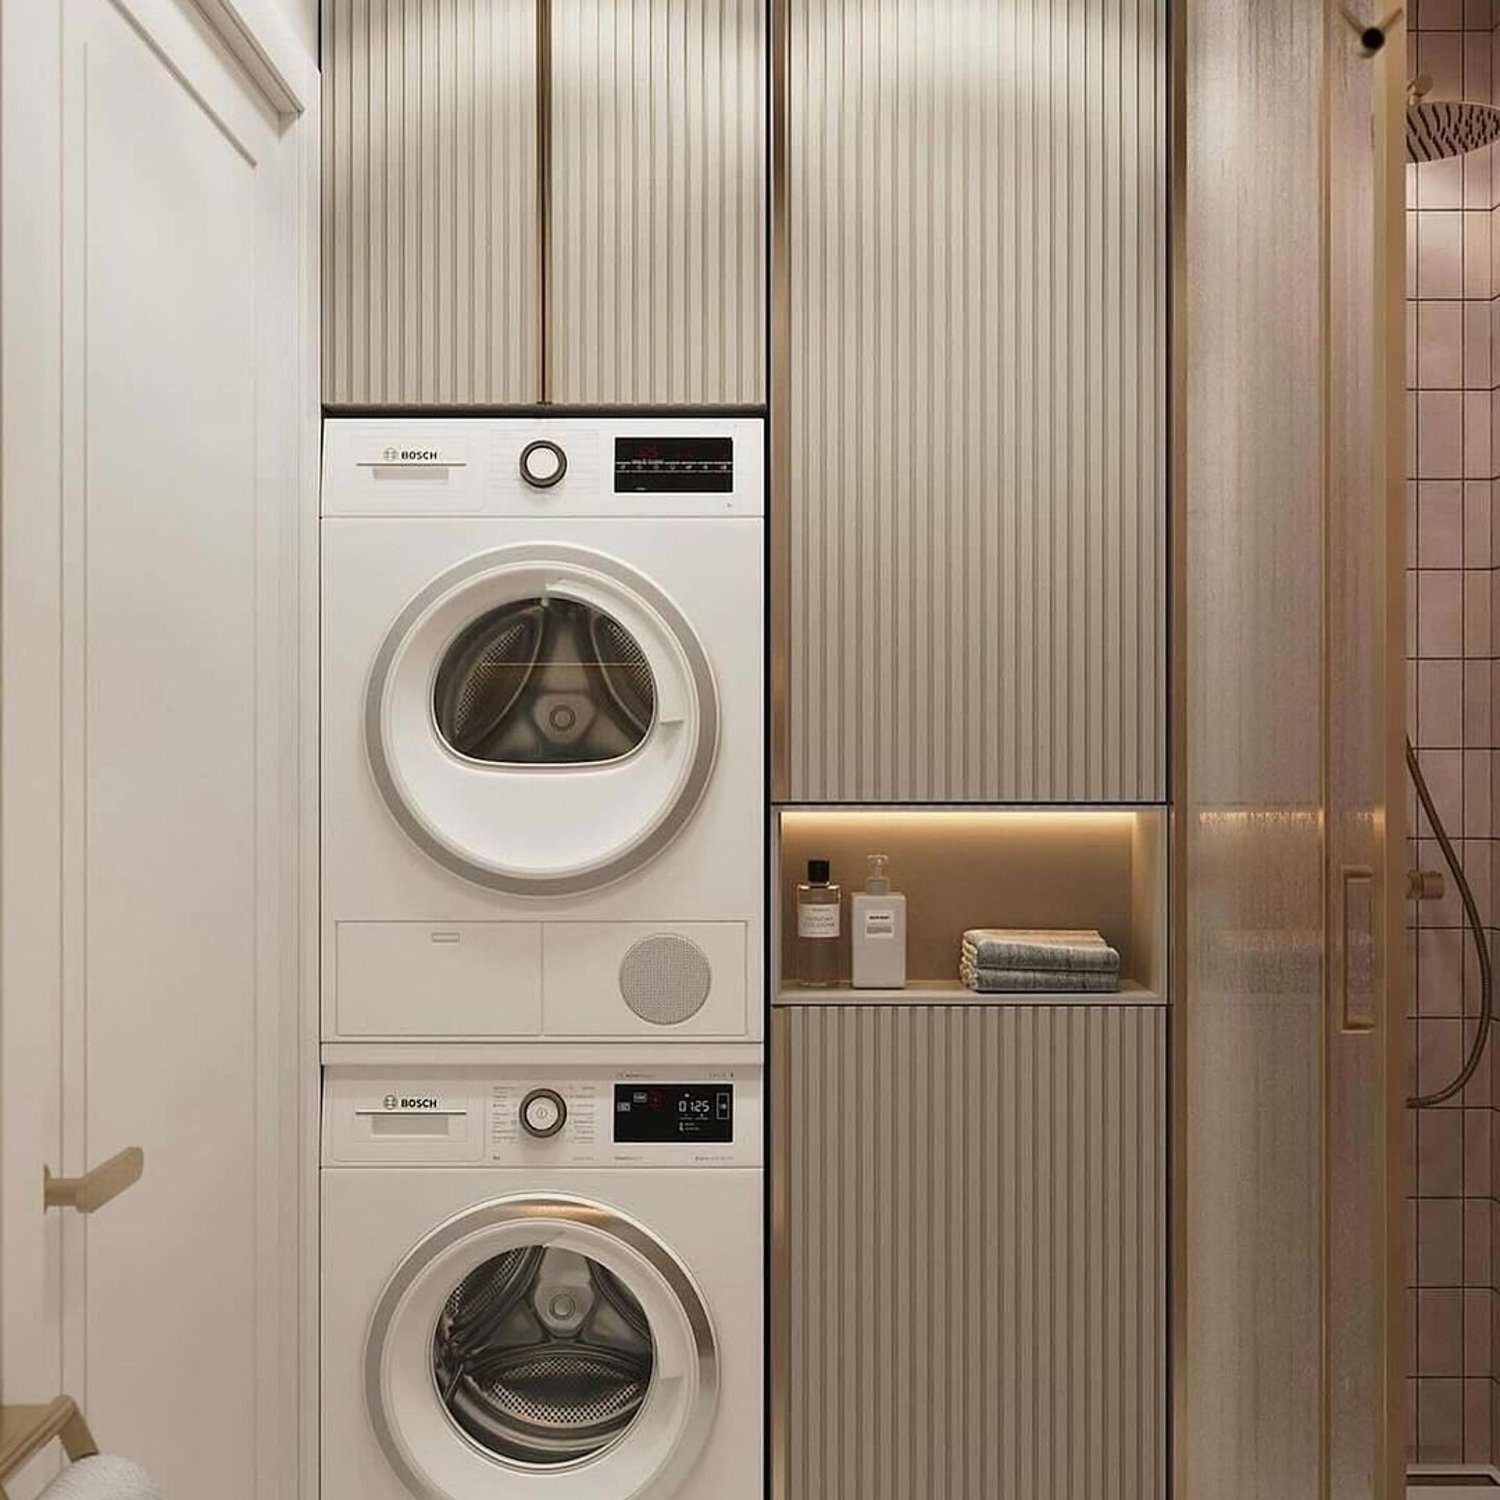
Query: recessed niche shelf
954	992
1103	869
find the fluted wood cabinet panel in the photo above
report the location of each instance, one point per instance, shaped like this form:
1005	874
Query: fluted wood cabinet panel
429	202
657	264
971	1225
976	514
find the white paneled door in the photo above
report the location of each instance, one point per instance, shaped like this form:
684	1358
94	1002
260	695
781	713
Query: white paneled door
158	433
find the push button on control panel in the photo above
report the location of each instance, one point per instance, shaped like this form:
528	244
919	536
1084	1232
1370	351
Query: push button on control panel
543	464
543	1113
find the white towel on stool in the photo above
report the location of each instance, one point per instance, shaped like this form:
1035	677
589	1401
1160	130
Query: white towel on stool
102	1478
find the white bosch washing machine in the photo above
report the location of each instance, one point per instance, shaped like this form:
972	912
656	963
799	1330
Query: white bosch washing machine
543	727
543	1281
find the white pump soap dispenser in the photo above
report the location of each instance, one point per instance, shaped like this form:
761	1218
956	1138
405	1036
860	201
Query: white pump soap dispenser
878	939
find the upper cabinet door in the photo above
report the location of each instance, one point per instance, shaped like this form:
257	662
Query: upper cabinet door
656	234
532	201
430	246
971	485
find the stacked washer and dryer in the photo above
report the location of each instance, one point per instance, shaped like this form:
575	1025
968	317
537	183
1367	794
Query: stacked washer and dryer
542	932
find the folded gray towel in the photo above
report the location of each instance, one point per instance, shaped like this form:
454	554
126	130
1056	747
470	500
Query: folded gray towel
1037	981
1021	948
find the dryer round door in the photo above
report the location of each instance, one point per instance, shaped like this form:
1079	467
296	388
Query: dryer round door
542	719
541	1346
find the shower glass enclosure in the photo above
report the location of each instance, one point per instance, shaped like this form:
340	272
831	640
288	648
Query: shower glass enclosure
1453	1397
1290	1085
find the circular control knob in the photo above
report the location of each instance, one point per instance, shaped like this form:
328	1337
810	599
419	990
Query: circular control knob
543	1113
543	464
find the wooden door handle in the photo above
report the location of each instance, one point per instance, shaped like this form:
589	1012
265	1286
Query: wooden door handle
97	1186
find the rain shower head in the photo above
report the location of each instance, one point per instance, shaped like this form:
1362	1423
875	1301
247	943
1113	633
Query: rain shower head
1439	128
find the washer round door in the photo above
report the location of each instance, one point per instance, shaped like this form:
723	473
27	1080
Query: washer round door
542	719
541	1346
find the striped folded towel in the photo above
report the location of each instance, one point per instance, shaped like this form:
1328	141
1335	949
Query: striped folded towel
1037	981
1060	951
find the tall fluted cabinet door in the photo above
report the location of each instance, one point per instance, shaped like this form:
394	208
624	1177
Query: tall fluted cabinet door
971	482
656	236
430	243
970	1222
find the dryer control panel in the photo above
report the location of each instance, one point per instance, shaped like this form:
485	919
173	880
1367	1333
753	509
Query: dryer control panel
533	1113
554	466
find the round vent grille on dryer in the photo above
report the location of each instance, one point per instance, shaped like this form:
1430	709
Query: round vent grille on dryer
665	979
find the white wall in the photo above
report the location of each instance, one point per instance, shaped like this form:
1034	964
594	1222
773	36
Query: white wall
303	14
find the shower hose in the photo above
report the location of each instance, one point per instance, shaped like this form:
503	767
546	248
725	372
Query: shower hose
1476	930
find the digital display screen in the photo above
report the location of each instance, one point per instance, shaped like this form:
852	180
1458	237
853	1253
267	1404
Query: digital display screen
689	1113
674	466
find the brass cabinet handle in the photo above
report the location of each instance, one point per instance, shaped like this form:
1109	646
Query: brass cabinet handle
1356	950
96	1187
1425	885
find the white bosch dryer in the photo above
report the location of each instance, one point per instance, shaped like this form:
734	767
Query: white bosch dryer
543	1282
542	727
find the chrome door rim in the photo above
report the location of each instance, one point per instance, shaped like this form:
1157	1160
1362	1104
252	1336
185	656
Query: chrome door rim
610	1224
700	672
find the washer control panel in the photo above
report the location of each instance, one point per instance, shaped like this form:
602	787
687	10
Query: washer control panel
526	1115
543	1113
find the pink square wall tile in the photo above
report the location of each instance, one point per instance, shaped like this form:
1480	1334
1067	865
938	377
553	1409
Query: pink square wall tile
1476	318
1476	796
1440	971
1476	1355
1441	346
1439	252
1440	1420
1440	1330
1476	1154
1435	15
1478	421
1440	434
1442	56
1439	1171
1476	1093
1440	184
1440	704
1440	524
1478	46
1477	1421
1440	612
1476	247
1440	1256
1477	707
1439	1052
1477	502
1479	585
1477	1239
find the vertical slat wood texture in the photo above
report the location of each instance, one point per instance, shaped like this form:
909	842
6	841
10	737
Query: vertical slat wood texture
975	1225
977	490
657	276
429	202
